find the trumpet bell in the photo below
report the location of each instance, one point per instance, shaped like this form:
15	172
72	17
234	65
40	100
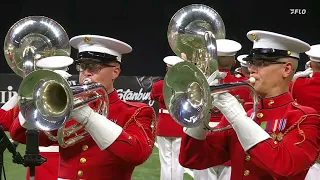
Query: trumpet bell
45	100
187	94
31	39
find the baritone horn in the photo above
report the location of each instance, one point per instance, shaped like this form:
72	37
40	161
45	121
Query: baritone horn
45	98
31	39
47	101
192	35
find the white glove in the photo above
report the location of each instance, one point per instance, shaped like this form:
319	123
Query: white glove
201	131
229	106
103	131
214	78
305	73
249	132
11	103
63	73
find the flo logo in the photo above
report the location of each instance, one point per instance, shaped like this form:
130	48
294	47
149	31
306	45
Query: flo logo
298	11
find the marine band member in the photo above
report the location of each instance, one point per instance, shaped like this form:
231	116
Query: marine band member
283	140
118	143
305	91
169	132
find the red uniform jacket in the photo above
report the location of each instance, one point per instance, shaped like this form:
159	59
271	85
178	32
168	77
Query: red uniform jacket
242	93
86	161
49	169
247	106
293	148
7	117
306	91
166	125
239	75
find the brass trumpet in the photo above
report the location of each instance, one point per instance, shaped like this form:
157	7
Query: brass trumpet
192	35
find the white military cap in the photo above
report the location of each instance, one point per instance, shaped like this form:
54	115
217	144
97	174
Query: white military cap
314	53
172	60
99	48
273	45
241	61
227	47
54	62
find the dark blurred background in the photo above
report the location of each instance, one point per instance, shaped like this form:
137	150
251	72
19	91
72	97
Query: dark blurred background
143	24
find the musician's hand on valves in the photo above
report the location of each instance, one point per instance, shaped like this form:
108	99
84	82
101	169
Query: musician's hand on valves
200	131
249	132
229	106
214	78
103	131
83	114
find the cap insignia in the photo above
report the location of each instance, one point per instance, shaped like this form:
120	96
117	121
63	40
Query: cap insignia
254	37
87	39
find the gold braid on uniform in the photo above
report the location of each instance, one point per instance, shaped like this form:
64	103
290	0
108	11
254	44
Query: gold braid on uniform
297	124
153	124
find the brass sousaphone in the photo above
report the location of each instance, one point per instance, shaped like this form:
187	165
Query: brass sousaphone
192	35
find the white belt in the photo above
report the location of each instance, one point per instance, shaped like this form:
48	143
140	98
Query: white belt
49	149
164	111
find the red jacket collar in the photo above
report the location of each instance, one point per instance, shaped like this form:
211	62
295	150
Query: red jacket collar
113	97
277	101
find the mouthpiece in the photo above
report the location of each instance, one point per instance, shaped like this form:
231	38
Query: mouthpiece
252	80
